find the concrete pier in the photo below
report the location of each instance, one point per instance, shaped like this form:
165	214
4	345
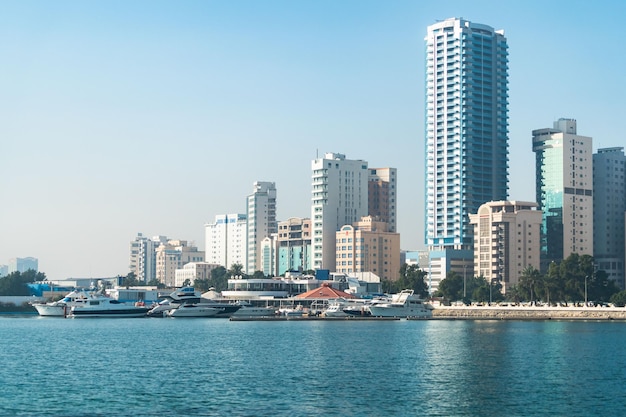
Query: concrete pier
528	313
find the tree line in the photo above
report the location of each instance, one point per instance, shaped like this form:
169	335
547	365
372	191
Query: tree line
573	280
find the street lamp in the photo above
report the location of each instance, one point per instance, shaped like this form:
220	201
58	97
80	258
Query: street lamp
586	276
464	285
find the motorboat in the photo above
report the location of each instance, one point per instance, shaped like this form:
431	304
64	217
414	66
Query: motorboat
173	300
101	306
186	297
294	311
402	304
63	307
248	310
344	308
194	310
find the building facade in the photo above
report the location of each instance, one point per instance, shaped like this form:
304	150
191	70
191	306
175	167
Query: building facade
192	271
173	255
367	246
564	187
506	240
23	264
143	256
339	197
293	246
261	222
466	137
382	196
466	127
226	240
609	207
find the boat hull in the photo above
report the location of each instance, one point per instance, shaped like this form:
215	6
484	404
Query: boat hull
193	311
399	312
47	310
122	312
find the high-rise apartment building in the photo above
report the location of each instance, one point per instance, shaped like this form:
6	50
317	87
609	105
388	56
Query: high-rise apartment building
383	195
564	187
261	222
339	197
609	207
466	134
293	245
506	240
143	256
226	242
367	246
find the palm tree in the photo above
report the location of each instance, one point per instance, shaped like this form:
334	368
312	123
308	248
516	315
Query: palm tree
529	280
236	270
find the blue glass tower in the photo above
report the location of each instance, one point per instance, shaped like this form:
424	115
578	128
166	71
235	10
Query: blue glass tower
466	128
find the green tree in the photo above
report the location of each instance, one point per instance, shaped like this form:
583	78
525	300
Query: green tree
451	287
619	299
258	275
236	270
15	283
529	283
219	279
155	283
202	284
130	280
412	277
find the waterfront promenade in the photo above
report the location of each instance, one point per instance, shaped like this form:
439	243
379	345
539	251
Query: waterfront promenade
529	313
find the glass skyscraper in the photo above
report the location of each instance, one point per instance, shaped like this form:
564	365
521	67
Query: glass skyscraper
466	128
564	187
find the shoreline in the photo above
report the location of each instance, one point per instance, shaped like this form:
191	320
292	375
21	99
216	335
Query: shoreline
528	313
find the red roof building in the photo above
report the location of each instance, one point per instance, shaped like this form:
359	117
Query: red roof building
325	291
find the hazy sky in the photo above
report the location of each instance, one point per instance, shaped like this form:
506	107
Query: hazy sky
119	117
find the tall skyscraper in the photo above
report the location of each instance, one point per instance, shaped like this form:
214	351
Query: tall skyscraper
261	221
466	133
226	242
609	207
383	195
339	197
564	187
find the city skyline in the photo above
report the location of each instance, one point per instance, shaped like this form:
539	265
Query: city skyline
156	117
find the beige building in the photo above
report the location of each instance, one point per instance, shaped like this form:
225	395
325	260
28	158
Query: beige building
367	246
193	271
382	196
507	239
172	256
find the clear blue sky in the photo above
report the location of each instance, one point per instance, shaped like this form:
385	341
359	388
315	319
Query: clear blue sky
118	117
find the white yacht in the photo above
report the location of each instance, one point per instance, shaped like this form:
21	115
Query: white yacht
194	310
403	304
248	310
343	308
63	307
101	306
194	305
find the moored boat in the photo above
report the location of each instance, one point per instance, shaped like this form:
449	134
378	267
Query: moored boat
403	304
194	310
63	307
248	310
100	306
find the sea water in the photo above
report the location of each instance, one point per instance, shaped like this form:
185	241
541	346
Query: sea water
215	367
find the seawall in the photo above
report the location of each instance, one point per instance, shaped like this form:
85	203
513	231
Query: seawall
529	313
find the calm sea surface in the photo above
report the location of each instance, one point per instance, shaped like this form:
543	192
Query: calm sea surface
191	367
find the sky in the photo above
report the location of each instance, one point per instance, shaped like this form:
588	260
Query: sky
153	117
